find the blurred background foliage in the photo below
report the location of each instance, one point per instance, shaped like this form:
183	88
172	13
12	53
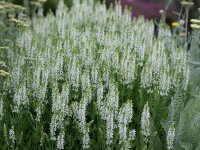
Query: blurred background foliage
148	8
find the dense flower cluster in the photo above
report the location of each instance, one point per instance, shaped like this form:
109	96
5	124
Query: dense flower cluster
170	137
77	60
124	118
145	122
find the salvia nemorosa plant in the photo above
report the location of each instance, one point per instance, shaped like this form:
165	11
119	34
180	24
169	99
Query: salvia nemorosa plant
92	78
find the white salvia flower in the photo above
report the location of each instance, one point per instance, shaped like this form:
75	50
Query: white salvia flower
73	109
20	97
16	73
41	140
84	54
124	65
55	97
55	108
74	73
164	82
27	40
89	60
85	80
109	111
24	98
94	74
53	127
57	70
164	32
153	58
109	128
112	99
86	138
124	117
145	122
81	113
64	98
170	137
12	134
36	79
60	9
60	140
48	49
99	95
147	78
81	116
40	12
43	84
156	75
186	76
59	109
132	134
1	109
131	70
106	76
115	61
63	27
140	50
38	111
60	66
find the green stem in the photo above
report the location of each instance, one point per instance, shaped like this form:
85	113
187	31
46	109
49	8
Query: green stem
186	24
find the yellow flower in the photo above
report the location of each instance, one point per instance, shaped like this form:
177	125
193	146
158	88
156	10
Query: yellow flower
4	48
1	7
195	26
42	1
19	22
187	4
175	24
4	73
195	20
182	34
37	4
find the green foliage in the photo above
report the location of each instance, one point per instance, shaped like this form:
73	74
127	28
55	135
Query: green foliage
195	63
9	28
188	129
49	4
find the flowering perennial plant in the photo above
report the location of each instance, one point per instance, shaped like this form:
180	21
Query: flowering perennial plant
73	75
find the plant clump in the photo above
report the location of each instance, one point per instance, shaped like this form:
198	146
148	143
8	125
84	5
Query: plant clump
91	79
